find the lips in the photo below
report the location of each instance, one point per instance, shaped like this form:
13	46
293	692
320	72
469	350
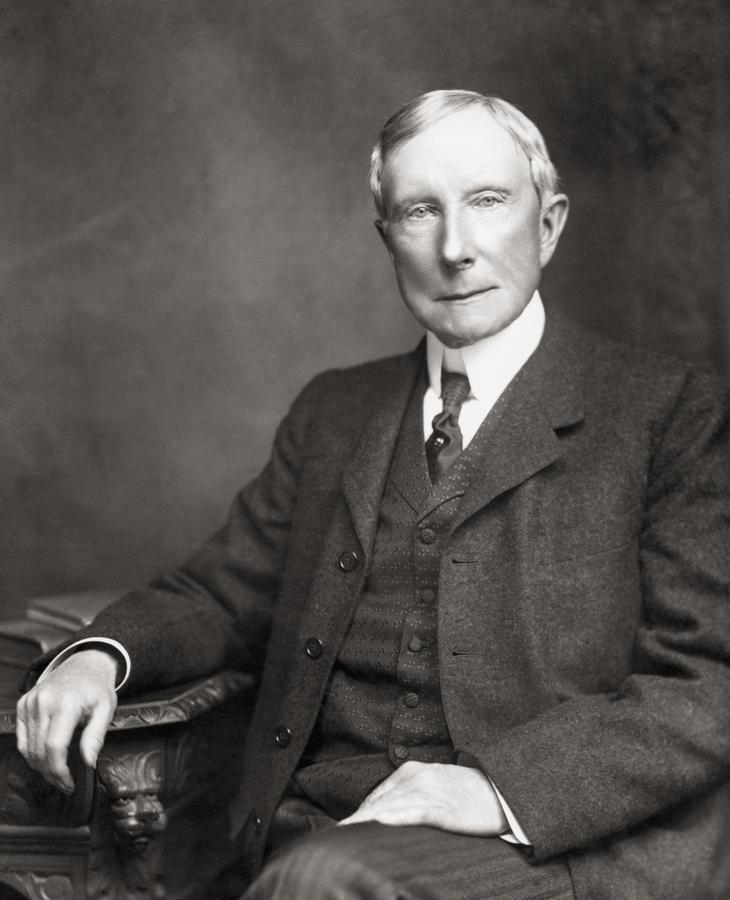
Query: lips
463	295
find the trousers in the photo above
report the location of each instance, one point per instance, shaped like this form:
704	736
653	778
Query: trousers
371	861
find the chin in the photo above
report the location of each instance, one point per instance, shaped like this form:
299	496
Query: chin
463	336
461	327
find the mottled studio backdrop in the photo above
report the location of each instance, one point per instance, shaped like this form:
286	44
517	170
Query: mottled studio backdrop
185	229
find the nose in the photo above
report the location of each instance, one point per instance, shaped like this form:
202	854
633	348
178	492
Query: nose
457	245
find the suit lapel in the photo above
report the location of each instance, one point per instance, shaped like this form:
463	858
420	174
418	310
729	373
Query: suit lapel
365	473
519	436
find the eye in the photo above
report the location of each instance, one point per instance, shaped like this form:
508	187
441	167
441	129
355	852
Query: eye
420	211
487	200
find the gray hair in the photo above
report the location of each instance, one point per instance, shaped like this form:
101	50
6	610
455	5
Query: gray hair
428	108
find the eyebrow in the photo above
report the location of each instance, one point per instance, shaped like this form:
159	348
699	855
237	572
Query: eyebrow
497	189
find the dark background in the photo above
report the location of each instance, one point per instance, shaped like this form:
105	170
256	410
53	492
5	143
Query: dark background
186	237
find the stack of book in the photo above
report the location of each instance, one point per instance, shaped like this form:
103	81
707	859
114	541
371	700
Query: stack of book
49	621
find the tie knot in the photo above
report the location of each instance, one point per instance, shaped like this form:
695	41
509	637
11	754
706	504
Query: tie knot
454	391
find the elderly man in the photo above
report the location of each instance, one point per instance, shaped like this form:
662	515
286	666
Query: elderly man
484	584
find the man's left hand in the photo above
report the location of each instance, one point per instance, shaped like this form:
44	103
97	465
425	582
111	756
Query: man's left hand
452	798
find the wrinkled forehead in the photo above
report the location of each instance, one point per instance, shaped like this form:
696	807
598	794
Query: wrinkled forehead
461	146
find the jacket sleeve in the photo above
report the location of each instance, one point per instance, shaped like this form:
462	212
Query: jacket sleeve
215	610
595	765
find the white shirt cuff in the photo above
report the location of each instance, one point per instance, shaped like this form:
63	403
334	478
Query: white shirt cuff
125	662
515	835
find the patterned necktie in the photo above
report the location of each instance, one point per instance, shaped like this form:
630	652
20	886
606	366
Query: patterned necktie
445	442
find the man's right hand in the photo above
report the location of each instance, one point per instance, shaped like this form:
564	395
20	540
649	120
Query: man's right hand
79	692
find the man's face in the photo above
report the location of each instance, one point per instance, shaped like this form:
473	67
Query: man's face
464	226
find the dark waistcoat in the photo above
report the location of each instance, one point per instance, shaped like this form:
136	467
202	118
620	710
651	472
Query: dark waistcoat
383	703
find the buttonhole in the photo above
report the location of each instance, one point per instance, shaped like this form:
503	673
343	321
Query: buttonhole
459	560
466	653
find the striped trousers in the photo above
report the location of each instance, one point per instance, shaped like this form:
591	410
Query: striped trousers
370	861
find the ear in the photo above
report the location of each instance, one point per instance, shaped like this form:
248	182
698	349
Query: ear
382	229
553	217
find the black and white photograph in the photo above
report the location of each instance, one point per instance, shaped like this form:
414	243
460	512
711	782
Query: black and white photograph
365	450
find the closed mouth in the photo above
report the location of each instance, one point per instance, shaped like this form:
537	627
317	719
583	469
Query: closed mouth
466	295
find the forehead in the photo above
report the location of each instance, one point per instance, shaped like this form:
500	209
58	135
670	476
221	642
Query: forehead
462	147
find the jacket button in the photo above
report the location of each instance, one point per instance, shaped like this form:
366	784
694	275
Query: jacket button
256	825
411	700
428	536
400	752
415	644
313	648
427	595
348	561
282	736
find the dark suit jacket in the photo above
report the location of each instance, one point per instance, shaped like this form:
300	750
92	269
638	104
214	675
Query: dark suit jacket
584	626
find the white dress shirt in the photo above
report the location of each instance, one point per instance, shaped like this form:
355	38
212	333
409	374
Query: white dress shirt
489	364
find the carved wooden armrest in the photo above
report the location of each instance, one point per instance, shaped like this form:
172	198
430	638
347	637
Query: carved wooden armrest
133	781
162	772
169	764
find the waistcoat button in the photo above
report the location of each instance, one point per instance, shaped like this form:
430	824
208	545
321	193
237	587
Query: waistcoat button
411	699
428	536
256	825
313	648
427	595
400	752
282	736
415	644
348	561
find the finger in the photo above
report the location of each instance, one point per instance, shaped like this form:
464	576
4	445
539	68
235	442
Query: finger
405	815
92	737
21	729
370	810
362	814
37	725
354	818
58	738
401	814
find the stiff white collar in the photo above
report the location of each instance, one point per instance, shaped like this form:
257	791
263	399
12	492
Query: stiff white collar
491	363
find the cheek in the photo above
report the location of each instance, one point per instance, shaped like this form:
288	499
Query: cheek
518	255
415	264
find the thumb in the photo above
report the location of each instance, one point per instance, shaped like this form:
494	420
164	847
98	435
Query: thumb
92	737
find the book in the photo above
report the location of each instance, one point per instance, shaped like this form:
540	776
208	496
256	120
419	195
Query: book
48	622
22	640
70	611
